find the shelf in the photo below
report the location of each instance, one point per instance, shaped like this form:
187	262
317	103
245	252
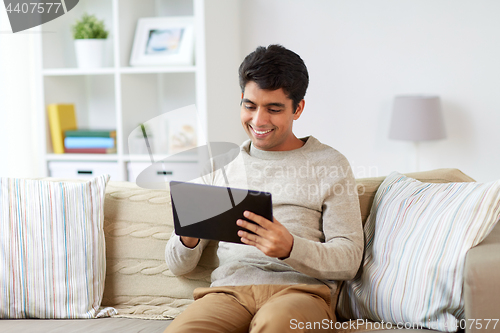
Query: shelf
146	158
120	96
77	71
111	70
114	157
82	157
147	70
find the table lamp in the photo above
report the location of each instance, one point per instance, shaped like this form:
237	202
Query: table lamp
417	118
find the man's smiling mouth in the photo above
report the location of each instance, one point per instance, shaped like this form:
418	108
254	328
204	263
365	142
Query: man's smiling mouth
260	132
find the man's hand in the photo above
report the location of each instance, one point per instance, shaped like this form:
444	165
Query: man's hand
273	239
189	241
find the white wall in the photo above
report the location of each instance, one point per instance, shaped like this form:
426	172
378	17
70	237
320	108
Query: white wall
18	146
360	53
222	22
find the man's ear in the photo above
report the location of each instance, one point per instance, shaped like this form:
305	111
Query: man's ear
298	111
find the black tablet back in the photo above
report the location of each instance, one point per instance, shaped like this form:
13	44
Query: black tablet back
210	212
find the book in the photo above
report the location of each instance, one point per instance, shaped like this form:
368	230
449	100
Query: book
91	133
61	118
89	142
90	150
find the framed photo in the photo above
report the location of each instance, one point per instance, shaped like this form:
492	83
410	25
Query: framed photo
163	41
182	134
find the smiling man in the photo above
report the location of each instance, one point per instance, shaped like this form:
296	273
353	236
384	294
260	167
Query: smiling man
287	270
267	116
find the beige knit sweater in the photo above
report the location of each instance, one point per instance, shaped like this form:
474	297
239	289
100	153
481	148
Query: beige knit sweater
314	197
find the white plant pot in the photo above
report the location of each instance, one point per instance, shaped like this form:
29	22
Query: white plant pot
90	52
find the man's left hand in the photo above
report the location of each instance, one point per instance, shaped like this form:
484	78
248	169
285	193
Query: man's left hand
272	238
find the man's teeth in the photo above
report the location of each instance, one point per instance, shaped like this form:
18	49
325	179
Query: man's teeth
262	132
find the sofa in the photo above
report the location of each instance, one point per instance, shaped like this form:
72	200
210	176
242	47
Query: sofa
146	295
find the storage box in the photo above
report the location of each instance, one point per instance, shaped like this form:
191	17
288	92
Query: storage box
164	172
86	170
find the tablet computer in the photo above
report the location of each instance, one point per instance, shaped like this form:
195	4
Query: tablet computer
211	212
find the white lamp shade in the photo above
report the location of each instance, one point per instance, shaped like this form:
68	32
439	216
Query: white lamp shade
417	118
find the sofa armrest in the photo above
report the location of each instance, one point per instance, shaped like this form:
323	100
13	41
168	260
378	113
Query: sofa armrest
482	285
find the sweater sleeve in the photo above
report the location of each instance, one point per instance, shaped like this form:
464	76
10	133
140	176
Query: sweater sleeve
339	256
180	258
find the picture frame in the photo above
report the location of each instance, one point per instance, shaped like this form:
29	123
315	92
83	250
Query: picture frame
182	133
162	41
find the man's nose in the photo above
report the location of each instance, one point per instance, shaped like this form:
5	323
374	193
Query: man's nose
260	117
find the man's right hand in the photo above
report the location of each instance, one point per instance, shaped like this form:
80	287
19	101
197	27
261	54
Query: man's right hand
189	241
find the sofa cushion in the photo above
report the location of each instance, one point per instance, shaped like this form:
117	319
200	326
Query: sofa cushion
417	236
52	259
137	224
367	187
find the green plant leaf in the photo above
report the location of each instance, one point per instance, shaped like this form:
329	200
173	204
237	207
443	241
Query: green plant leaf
89	27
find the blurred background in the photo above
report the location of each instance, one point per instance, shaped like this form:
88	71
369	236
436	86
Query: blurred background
360	54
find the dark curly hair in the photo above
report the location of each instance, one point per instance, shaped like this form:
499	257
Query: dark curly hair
273	68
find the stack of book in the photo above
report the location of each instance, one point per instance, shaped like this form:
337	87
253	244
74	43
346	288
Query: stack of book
67	138
88	141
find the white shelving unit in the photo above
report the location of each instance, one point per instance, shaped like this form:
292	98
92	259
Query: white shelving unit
121	97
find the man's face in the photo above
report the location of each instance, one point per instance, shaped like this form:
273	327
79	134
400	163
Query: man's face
267	117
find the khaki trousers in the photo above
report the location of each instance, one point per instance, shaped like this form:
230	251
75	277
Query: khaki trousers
257	308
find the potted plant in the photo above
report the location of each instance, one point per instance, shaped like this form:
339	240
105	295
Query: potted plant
90	39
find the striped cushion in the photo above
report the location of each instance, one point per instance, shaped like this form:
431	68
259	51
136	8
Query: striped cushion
417	237
52	252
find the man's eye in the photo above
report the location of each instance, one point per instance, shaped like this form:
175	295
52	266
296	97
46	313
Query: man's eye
249	107
275	111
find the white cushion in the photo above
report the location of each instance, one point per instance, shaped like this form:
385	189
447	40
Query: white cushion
52	251
417	237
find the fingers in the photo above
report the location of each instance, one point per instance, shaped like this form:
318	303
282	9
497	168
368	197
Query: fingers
248	238
258	238
273	246
259	246
251	239
273	239
260	226
262	221
251	226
